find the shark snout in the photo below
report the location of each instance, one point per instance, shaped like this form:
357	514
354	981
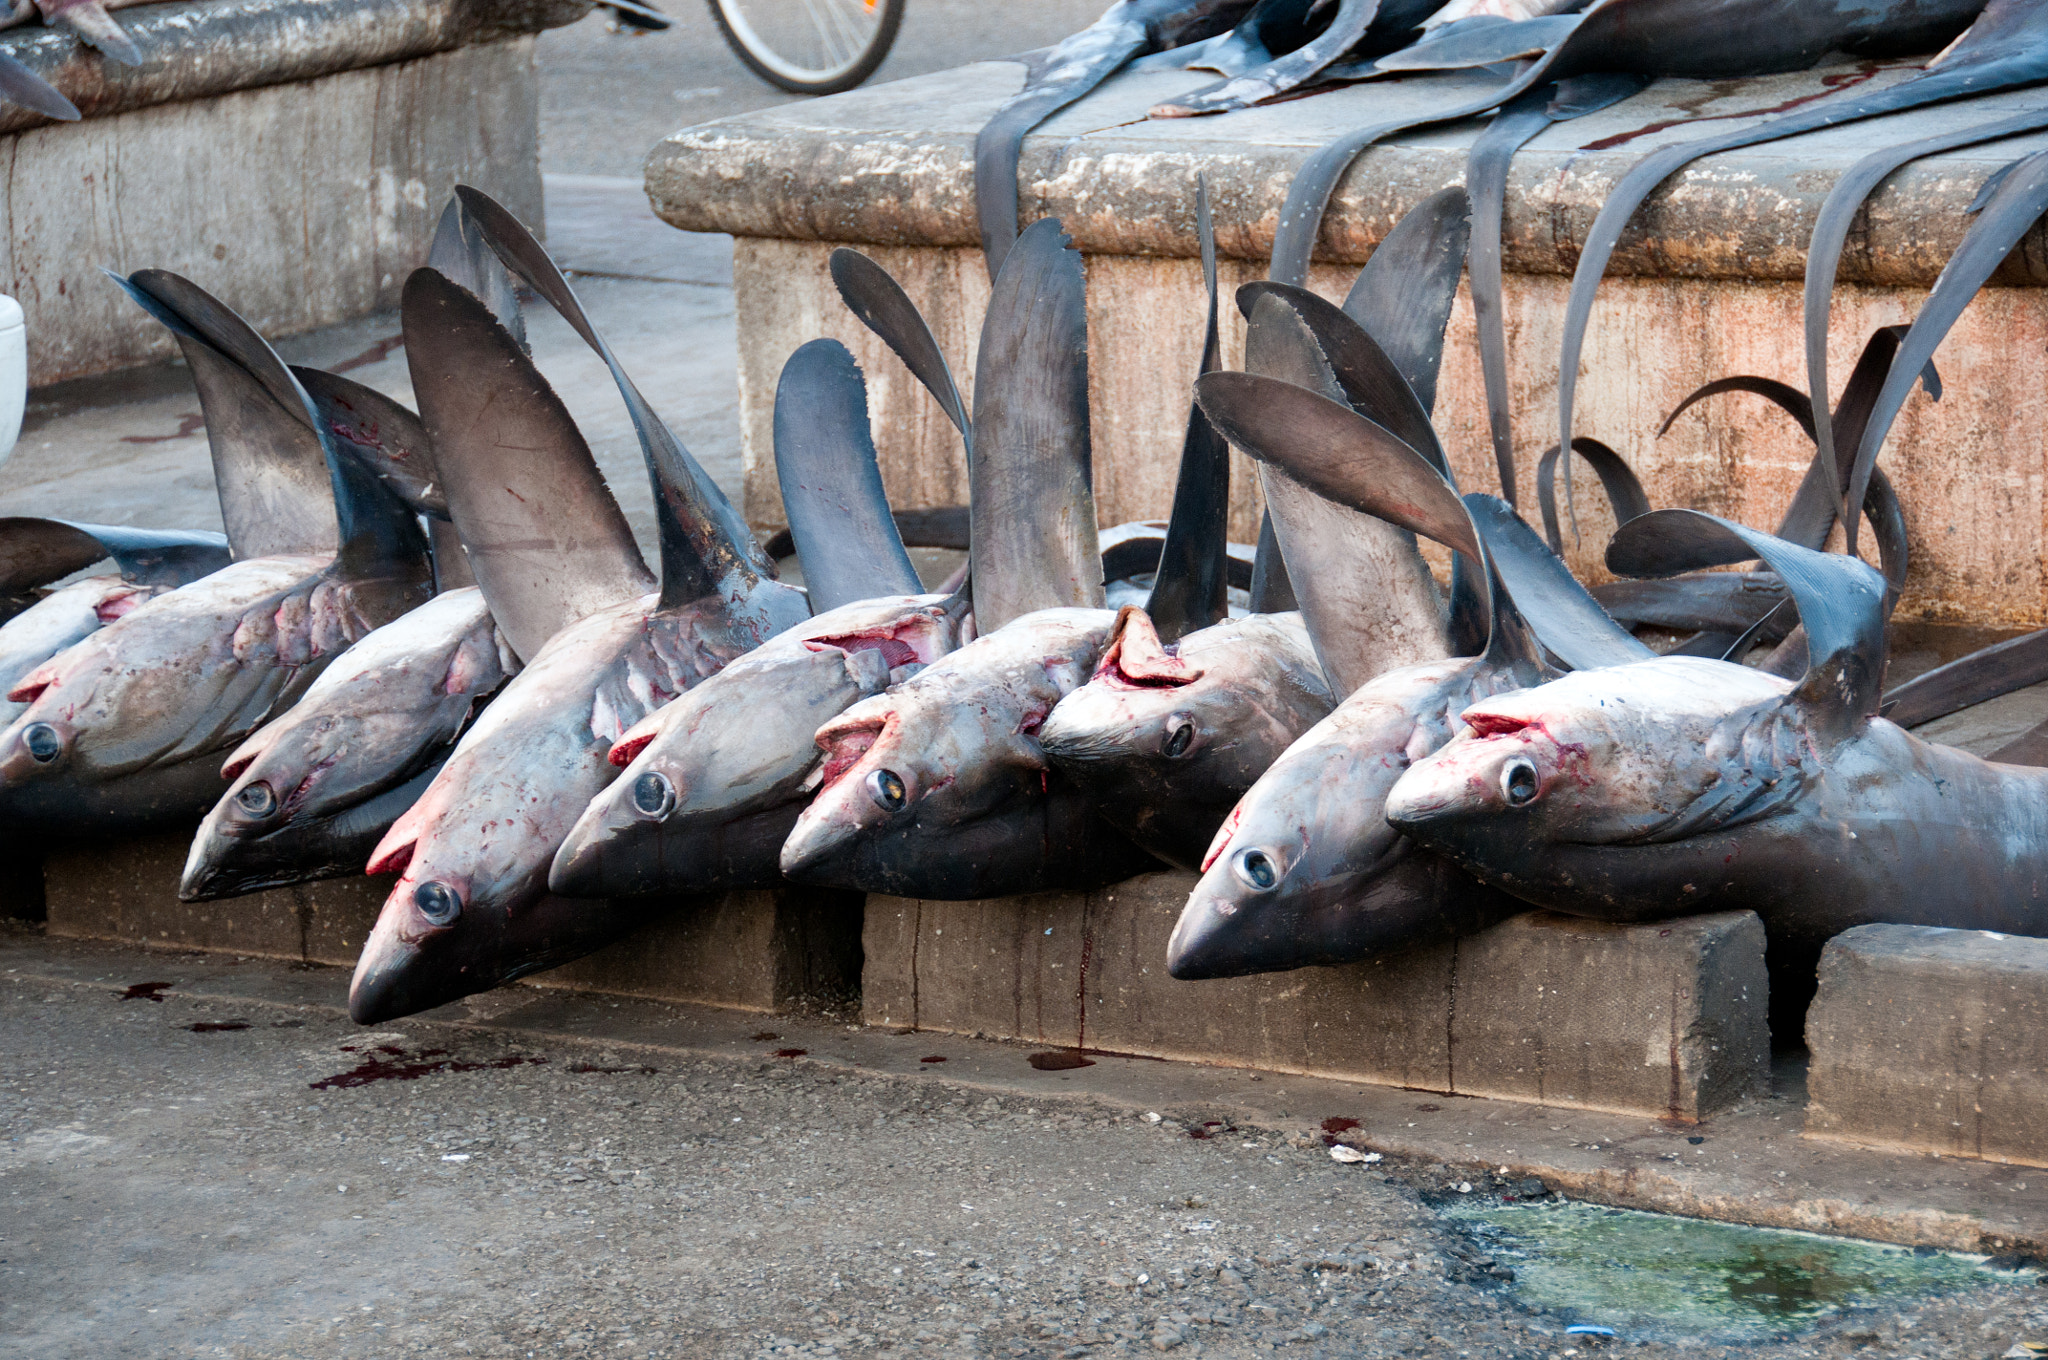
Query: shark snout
614	850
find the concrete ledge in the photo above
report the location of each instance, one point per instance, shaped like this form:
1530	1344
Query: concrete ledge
893	165
1666	1020
290	156
1930	1039
193	49
760	951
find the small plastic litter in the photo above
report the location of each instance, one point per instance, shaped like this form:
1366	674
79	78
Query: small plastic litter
1351	1156
1588	1329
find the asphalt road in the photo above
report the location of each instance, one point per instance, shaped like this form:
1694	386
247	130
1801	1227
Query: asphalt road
608	97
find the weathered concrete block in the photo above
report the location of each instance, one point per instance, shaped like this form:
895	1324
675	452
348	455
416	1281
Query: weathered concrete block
1932	1039
760	951
753	950
128	890
1665	1019
300	205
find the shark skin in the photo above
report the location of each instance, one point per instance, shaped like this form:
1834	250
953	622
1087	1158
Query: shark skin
122	729
1166	738
470	910
310	793
939	788
713	783
1684	784
1306	871
61	619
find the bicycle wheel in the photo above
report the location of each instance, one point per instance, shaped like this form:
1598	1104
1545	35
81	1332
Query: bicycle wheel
810	46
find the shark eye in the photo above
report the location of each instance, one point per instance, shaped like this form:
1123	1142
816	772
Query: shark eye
256	799
43	742
1518	782
1180	736
653	795
1257	869
437	902
886	788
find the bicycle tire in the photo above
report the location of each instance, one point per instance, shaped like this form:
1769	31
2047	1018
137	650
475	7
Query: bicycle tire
781	72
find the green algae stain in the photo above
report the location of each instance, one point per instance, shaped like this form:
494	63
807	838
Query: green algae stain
1647	1274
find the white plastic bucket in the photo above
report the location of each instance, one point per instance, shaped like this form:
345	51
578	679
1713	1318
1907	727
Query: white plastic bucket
13	374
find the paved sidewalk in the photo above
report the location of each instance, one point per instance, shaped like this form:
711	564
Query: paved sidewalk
204	1158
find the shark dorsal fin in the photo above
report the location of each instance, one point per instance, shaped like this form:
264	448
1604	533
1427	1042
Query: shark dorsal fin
1033	540
832	483
381	433
543	535
1190	590
706	547
460	252
269	468
1841	602
873	295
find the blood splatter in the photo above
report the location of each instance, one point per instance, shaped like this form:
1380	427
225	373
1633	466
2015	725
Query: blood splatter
1059	1060
147	991
934	1058
391	1063
217	1026
791	1052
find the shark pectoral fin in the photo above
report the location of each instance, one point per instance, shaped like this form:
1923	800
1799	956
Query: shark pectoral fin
382	434
1463	46
460	251
831	482
269	463
1337	453
1363	372
20	85
95	27
705	543
1403	295
871	293
1567	620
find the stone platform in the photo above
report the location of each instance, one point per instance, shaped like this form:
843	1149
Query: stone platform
1933	1040
291	156
1705	285
1666	1020
759	951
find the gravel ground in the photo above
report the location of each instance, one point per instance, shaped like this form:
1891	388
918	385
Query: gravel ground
182	1179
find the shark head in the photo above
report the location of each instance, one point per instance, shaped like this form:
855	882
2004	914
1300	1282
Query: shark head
1306	869
712	783
1544	784
1165	739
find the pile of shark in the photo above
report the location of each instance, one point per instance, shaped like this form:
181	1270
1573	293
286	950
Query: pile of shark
428	646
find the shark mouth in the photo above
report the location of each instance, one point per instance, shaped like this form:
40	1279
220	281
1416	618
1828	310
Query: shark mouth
1137	659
